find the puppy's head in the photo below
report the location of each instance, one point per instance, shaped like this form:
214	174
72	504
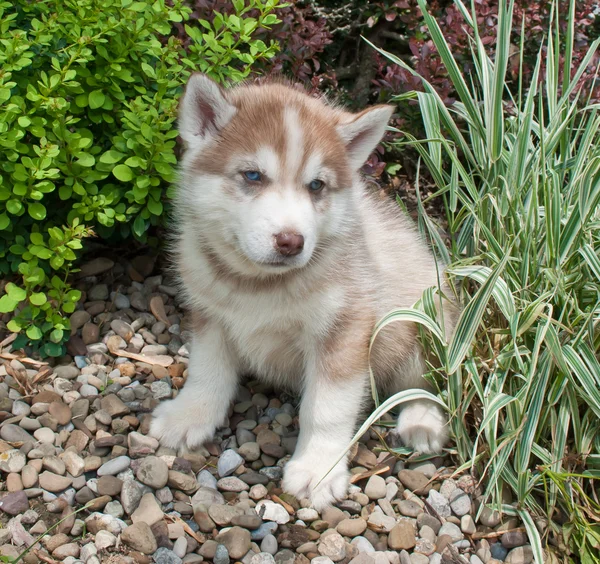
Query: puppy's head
268	171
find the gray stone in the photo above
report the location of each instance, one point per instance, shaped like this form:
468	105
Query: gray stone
460	502
221	555
439	503
265	529
15	434
207	497
165	556
114	466
269	544
228	463
452	531
131	494
206	480
153	472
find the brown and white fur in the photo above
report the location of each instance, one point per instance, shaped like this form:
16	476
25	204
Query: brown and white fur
301	319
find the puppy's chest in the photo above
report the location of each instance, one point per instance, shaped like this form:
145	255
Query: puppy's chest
274	331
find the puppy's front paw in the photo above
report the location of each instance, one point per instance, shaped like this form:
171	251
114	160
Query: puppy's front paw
178	427
305	478
422	426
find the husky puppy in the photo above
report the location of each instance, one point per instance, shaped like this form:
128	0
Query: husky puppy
287	263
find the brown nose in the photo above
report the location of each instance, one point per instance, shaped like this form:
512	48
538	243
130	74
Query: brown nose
289	244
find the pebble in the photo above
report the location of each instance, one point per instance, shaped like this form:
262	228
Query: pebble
53	482
114	466
402	536
147	511
333	546
439	503
271	511
261	558
221	555
206	479
415	481
352	527
232	484
153	472
139	536
376	487
460	502
12	461
14	503
228	463
451	530
165	556
520	555
489	517
269	544
236	540
265	529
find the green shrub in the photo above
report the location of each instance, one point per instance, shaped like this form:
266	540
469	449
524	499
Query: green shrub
88	98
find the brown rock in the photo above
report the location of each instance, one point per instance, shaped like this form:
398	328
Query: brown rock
45	396
113	405
90	333
109	485
402	536
415	481
53	482
78	439
60	411
237	541
139	536
182	482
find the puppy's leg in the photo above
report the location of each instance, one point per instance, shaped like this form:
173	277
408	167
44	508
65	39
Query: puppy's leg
193	416
421	423
328	415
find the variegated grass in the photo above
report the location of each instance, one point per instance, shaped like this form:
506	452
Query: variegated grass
518	169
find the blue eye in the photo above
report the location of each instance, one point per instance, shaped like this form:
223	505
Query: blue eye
253	175
316	185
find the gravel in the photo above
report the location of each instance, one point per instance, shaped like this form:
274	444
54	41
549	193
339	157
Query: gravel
80	435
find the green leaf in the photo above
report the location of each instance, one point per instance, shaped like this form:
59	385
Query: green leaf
36	238
16	293
155	207
53	349
123	173
86	160
139	226
96	99
14	206
7	304
37	211
111	157
13	325
38	299
34	333
4	221
56	335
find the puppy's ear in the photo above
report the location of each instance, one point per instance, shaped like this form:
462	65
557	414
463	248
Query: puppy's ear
361	132
203	110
